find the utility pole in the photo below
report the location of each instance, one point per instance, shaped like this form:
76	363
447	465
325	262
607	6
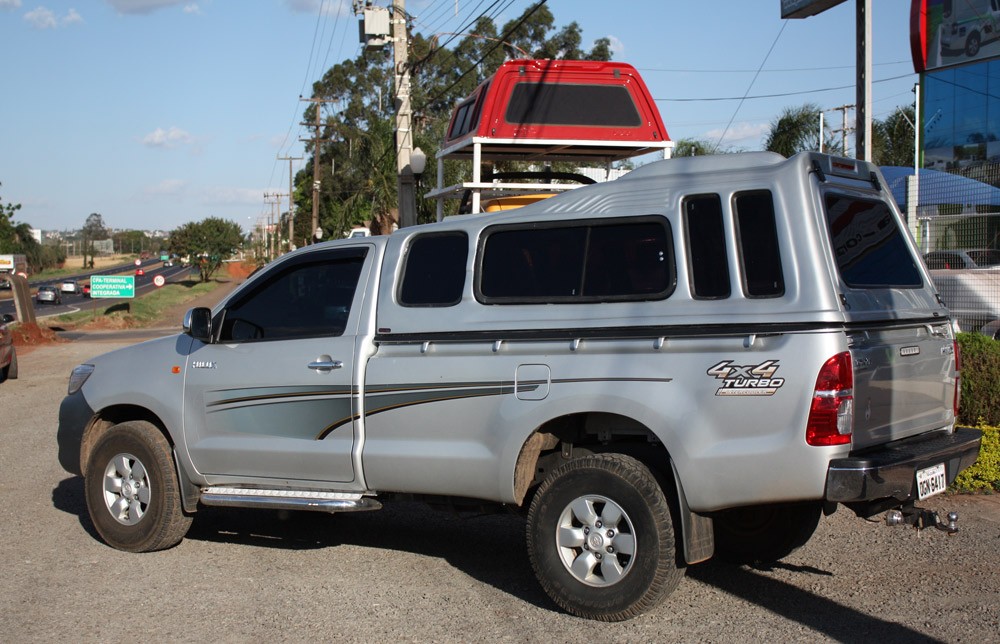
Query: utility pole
291	203
404	132
315	141
863	114
844	130
274	248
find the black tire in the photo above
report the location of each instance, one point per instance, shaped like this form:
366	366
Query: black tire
132	491
972	44
601	538
10	371
764	534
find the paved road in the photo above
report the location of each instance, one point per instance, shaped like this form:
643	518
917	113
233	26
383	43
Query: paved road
72	303
407	573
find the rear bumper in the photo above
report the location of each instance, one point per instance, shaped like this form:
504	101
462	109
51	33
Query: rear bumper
889	471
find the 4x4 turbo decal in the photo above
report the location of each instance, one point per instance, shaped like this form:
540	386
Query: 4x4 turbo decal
746	380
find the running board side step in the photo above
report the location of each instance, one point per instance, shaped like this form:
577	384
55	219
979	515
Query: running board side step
238	497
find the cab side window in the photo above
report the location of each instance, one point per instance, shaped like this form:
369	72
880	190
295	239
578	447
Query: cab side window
306	298
434	273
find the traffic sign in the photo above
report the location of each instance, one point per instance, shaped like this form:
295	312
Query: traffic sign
112	286
138	262
159	280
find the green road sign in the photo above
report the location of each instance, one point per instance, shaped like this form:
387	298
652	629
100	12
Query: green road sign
112	286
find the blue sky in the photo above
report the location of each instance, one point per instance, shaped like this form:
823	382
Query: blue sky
159	112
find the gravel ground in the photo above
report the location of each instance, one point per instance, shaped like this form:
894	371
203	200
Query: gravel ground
411	574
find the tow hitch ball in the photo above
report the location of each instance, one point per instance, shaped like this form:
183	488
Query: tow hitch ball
920	519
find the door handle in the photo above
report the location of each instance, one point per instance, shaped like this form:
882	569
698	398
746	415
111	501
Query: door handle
325	364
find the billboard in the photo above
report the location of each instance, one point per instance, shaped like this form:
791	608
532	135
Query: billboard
805	8
944	33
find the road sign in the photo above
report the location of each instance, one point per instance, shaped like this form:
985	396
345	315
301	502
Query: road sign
138	262
112	286
159	280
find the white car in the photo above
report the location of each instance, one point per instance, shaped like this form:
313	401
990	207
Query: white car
71	286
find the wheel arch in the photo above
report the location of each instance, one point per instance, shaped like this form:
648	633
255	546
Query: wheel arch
563	438
115	414
107	418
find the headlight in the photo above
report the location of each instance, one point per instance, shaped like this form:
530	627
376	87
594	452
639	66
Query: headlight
78	377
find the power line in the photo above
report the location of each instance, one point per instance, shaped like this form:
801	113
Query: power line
752	81
763	71
489	51
740	98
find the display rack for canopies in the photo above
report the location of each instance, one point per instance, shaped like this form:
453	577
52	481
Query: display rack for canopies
541	112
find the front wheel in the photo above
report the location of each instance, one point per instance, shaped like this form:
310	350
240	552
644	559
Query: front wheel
132	491
10	371
601	539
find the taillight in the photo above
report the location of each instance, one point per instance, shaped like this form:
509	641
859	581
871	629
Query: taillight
831	416
958	375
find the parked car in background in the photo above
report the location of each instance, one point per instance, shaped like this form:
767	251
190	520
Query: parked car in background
973	258
71	286
8	355
49	294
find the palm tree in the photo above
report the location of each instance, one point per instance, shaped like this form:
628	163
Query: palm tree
892	138
797	129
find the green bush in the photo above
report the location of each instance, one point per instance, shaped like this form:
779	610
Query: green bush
980	403
984	476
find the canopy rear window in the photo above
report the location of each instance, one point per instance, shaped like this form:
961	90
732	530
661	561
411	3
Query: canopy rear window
868	245
555	104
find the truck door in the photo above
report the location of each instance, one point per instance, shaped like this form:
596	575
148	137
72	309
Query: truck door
274	397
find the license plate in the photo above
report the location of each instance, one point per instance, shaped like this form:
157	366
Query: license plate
931	481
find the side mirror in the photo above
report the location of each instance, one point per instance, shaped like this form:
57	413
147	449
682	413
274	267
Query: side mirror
198	324
8	318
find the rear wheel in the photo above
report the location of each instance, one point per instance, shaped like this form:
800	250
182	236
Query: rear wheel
972	44
765	533
132	491
601	538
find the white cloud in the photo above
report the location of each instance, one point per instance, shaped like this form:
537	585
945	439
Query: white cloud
41	18
617	47
144	6
226	196
192	9
10	4
740	133
169	138
170	187
71	18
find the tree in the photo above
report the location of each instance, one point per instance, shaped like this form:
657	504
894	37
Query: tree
16	237
892	138
796	130
692	148
207	242
93	229
357	150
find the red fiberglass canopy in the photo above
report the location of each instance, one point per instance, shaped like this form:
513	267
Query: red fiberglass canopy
558	109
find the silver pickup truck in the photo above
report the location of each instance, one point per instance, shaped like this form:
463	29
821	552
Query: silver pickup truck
697	359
